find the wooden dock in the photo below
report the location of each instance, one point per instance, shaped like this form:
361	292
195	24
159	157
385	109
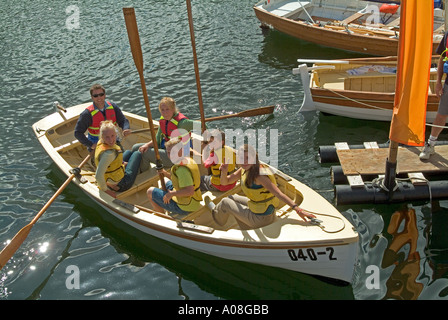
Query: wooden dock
369	163
372	161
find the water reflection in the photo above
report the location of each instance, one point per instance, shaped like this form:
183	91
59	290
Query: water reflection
402	283
409	248
436	249
214	276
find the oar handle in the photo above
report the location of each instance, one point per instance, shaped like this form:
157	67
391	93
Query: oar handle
242	114
245	113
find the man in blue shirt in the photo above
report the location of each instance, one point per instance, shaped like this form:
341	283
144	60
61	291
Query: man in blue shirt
100	110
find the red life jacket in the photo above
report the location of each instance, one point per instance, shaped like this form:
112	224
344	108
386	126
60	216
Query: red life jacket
389	8
97	117
168	126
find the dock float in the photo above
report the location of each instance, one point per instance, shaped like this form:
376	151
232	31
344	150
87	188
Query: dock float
360	176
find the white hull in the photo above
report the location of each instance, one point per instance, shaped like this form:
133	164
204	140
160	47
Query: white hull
288	243
326	88
361	113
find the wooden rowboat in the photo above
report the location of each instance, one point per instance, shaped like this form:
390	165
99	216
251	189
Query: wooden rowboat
328	249
362	88
343	24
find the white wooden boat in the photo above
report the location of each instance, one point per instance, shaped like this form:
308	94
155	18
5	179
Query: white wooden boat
350	25
361	88
328	249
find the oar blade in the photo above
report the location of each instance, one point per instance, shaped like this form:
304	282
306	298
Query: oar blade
134	38
15	243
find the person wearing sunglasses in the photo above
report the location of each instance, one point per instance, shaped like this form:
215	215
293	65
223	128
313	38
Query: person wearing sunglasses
100	110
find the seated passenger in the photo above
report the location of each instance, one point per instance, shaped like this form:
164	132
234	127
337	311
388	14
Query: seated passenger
110	161
219	153
257	208
171	120
100	110
183	195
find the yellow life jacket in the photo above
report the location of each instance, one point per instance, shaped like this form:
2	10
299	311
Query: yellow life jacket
259	197
190	203
115	171
221	154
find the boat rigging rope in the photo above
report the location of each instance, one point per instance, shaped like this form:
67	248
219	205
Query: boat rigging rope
319	223
315	221
379	182
372	106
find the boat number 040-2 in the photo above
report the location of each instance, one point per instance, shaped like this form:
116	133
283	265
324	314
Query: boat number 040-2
305	254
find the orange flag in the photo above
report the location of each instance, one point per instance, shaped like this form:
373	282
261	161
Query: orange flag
414	61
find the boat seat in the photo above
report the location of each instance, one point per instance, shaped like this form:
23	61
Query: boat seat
440	29
143	181
394	23
216	197
353	17
68	146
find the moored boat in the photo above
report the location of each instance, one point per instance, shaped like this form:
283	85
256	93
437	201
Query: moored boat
327	249
360	88
352	25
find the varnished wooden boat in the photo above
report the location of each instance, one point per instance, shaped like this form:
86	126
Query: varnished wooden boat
328	249
341	24
362	88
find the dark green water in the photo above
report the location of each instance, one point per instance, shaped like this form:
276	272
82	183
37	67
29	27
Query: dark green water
241	67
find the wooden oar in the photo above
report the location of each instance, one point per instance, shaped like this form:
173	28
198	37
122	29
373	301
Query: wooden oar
136	49
245	113
242	114
18	239
196	68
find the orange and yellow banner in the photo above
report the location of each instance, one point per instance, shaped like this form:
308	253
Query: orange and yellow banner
414	62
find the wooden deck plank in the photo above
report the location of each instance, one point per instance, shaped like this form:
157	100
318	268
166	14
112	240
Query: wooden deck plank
373	161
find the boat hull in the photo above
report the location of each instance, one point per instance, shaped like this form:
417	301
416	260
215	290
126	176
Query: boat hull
334	87
288	243
363	105
310	259
339	39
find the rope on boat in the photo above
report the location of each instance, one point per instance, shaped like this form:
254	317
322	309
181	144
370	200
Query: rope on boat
379	182
316	222
374	107
319	223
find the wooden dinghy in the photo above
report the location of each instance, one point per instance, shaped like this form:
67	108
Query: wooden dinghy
327	249
342	24
362	88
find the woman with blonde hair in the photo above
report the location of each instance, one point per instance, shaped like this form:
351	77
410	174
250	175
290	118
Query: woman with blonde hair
115	170
171	120
182	195
257	207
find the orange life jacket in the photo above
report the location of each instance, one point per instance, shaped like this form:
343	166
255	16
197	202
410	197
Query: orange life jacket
168	126
389	8
97	117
